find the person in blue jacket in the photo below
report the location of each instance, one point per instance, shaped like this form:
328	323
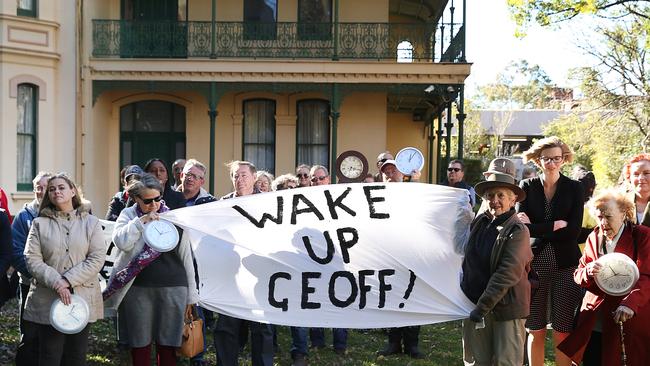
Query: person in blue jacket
27	352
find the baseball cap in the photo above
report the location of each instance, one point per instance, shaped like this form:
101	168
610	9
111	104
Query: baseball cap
132	170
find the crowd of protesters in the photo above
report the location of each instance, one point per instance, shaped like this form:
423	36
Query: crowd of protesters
523	267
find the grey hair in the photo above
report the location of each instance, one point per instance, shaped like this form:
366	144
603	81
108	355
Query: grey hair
318	167
146	181
193	162
39	176
282	181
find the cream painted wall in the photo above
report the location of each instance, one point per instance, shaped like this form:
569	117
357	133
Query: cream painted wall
362	125
363	11
44	49
403	132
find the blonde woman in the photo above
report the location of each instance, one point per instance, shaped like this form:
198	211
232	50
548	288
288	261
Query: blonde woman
65	251
552	211
264	181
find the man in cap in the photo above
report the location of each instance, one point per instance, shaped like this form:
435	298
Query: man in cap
381	158
407	335
121	199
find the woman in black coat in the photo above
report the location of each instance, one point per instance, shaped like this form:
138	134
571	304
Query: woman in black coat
158	169
552	211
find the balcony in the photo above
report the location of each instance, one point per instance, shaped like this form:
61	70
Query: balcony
396	42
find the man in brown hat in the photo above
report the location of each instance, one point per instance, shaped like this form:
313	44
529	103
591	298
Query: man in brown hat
495	275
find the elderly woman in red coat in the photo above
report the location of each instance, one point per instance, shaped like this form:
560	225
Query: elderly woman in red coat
597	335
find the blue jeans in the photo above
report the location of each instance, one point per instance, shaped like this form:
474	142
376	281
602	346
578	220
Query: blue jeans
339	335
299	340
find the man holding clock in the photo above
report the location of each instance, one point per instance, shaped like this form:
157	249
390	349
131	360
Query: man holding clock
407	335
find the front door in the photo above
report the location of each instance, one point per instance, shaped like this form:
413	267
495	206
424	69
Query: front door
152	129
153	28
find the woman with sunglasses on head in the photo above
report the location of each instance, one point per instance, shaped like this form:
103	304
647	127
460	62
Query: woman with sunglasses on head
158	169
552	211
157	289
64	253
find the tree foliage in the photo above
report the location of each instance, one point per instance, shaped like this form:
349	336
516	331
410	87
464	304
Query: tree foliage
547	12
519	86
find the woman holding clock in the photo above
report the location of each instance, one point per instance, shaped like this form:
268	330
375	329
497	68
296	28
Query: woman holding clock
151	290
613	295
64	252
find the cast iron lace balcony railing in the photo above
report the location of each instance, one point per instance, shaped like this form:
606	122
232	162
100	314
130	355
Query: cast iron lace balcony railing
367	41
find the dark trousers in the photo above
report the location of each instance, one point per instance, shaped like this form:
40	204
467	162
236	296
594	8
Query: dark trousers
409	335
27	352
56	348
593	352
339	337
226	342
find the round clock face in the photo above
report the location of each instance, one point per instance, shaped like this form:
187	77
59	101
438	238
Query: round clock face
409	159
618	274
351	166
161	235
70	319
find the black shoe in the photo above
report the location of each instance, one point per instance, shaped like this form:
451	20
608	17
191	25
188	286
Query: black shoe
340	351
415	353
299	360
391	349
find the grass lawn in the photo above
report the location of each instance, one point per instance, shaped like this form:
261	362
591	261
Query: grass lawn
441	343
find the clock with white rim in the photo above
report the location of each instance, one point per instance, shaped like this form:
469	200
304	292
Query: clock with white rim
72	318
161	235
409	159
618	274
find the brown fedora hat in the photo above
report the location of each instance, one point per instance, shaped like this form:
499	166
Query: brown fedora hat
500	180
501	165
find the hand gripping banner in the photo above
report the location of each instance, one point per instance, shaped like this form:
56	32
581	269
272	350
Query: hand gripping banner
346	256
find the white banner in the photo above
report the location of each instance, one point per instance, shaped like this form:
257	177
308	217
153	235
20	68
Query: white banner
344	256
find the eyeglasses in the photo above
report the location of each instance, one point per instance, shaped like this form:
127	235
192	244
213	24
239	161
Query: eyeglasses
316	179
453	170
548	159
193	176
147	201
303	175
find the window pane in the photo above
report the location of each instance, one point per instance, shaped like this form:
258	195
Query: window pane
259	133
179	118
153	116
179	150
27	4
25	162
126	118
264	11
127	152
314	19
26	98
313	132
260	19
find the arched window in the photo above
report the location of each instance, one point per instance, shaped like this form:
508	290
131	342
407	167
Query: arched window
151	129
405	52
259	133
27	96
313	132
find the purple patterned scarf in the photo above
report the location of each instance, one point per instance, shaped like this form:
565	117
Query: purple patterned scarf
119	279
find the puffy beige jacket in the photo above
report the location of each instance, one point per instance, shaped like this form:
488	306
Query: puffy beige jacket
64	245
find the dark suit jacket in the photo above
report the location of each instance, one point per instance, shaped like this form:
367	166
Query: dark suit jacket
173	199
567	206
